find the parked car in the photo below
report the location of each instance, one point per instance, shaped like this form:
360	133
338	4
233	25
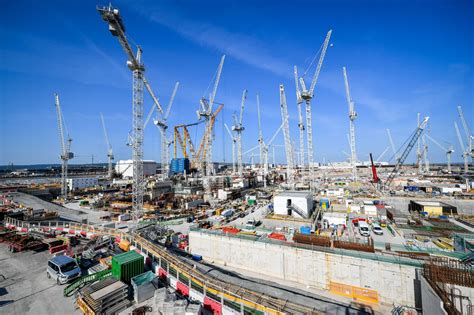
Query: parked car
364	229
377	229
63	268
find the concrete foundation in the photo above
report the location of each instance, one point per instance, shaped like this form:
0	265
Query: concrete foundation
393	283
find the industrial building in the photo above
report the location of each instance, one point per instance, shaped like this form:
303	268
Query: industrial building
81	183
125	168
298	204
432	208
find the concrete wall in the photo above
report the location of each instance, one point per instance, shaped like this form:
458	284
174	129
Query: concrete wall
393	282
431	302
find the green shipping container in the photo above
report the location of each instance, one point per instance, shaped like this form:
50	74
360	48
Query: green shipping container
127	265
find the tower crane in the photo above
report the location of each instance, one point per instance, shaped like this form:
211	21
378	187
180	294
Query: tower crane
265	150
66	153
467	131
234	142
425	153
239	128
379	158
261	143
299	101
110	153
117	28
392	144
352	117
205	111
286	135
307	95
419	153
162	125
465	153
447	151
414	138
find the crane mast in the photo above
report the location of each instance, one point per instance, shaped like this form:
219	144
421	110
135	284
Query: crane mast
234	140
465	154
392	144
261	143
407	151
352	117
162	125
447	151
287	137
307	96
205	111
66	153
419	153
116	27
239	128
110	153
301	128
467	131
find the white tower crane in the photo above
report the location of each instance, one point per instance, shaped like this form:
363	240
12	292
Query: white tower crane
467	131
134	63
66	153
286	135
425	154
419	153
379	158
299	101
110	152
307	95
205	111
448	151
261	143
239	128
352	117
234	142
392	144
162	125
465	153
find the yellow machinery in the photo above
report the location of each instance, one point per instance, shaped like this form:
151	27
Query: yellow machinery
185	141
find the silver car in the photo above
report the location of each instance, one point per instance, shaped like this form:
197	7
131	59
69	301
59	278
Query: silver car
63	268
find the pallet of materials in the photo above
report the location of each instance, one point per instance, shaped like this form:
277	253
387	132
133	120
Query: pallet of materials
108	296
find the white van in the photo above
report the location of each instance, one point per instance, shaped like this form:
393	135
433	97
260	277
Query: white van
364	229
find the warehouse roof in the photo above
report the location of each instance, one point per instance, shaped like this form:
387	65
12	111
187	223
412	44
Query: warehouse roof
300	194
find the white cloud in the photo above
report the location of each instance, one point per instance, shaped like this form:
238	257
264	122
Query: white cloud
240	46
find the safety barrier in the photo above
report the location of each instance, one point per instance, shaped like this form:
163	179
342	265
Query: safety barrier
86	279
214	289
353	292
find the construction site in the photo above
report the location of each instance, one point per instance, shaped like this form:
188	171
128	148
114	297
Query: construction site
188	234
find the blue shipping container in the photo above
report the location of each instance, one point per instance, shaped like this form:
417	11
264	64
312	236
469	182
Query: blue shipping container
179	165
305	230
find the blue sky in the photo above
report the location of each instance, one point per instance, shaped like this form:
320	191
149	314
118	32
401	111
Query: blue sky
402	57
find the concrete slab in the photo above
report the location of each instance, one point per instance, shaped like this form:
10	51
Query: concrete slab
26	289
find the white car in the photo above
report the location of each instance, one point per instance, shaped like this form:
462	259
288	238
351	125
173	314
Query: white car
377	229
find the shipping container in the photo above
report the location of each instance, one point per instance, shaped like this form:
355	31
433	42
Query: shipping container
127	265
180	165
305	230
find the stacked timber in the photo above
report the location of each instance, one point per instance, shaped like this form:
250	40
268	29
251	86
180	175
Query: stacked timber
108	296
